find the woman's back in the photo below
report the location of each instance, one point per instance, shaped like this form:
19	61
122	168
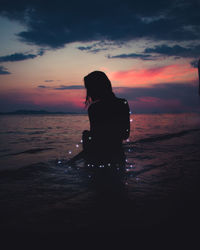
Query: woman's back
109	126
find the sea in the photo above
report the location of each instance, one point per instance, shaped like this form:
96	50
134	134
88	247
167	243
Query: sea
41	192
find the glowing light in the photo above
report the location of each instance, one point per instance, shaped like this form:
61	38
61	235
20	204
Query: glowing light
77	145
90	138
70	152
81	141
59	162
131	120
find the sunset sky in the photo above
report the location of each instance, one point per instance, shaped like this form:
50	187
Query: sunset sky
148	49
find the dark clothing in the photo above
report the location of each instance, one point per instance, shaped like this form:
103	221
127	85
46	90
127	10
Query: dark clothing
109	126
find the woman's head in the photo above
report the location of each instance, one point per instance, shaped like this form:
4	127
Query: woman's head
98	86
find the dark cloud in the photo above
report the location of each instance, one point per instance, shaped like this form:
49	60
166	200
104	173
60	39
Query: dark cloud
42	86
63	87
19	57
134	56
185	93
49	80
85	47
54	24
176	50
163	98
4	71
89	49
99	46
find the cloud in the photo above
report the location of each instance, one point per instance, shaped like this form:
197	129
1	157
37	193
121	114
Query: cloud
91	49
49	80
176	50
3	71
99	46
53	24
62	87
85	47
166	97
166	91
169	73
19	57
133	56
42	86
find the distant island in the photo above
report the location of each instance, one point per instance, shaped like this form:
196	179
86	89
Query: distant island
37	112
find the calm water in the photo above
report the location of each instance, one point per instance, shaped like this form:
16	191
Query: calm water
39	188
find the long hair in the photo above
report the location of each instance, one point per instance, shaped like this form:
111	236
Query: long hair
98	87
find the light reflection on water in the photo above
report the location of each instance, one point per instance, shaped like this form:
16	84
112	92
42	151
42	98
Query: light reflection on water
155	168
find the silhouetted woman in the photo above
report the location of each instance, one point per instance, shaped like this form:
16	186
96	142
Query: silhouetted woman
109	121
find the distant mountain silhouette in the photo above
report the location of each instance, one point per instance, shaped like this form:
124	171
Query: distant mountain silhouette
34	112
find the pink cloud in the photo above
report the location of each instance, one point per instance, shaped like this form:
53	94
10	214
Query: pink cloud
171	73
